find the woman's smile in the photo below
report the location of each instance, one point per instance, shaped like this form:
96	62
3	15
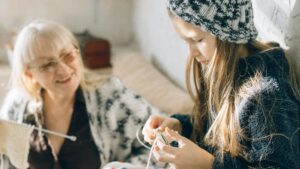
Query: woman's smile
65	80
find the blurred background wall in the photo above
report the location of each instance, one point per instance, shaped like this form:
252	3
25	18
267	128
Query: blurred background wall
110	19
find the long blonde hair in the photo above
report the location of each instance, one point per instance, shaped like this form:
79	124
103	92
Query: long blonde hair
213	91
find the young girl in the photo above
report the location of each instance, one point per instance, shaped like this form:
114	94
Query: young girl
247	109
49	90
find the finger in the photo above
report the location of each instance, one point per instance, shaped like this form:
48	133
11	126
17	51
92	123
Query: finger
162	128
148	134
163	157
150	124
166	148
175	136
166	123
148	140
154	122
159	144
147	128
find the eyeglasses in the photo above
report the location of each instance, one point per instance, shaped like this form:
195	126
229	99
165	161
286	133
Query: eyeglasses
50	65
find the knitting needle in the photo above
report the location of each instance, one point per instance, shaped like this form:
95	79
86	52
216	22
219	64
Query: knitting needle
72	138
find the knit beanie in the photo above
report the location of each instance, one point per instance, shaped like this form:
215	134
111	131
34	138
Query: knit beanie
228	20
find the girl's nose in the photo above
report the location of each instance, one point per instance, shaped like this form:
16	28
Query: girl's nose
193	51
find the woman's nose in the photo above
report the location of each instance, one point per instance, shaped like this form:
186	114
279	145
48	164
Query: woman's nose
193	51
62	68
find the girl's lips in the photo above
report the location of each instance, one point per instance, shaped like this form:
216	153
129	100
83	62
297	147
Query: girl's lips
204	62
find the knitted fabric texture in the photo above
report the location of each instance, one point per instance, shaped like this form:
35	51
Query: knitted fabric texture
229	20
269	115
115	113
14	142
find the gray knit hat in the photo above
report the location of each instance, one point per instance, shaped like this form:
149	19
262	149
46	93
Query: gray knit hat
229	20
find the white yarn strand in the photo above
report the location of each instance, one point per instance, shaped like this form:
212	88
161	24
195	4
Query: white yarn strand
140	141
150	154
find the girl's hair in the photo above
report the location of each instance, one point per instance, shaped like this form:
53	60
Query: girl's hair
36	38
214	90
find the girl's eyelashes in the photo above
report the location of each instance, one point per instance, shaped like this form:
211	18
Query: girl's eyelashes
199	40
192	40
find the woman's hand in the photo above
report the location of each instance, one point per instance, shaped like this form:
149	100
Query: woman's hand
187	155
159	122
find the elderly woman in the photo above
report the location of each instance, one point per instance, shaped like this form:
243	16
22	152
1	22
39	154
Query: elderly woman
49	90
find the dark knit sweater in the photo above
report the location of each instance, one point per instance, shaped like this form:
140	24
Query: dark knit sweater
269	107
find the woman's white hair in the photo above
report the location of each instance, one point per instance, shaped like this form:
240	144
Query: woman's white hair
36	38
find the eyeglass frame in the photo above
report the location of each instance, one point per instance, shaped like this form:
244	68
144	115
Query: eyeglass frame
51	65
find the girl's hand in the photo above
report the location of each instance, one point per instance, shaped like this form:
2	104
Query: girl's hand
159	122
187	155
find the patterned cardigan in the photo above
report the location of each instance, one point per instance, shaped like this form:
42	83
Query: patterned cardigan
115	114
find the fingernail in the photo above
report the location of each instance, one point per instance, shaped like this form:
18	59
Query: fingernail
162	128
152	136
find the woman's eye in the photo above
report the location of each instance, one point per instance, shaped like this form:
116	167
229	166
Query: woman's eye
68	57
48	65
200	40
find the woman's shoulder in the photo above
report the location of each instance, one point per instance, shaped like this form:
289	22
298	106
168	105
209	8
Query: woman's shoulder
101	83
102	88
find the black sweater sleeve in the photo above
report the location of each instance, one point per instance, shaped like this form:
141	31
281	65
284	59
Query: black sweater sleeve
186	124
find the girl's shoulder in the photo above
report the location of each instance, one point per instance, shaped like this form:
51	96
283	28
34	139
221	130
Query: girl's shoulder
271	62
269	67
264	75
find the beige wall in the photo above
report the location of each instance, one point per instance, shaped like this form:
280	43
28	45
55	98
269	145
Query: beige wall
111	19
157	39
